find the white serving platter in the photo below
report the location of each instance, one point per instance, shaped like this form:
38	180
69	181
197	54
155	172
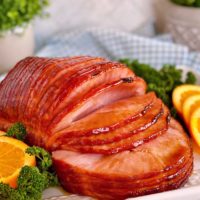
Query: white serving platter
190	191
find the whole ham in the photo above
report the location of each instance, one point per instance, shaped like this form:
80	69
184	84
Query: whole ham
109	138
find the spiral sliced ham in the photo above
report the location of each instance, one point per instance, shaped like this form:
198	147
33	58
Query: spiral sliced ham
128	140
115	116
109	139
101	96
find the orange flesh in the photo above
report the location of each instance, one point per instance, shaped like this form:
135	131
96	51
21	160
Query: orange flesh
185	95
194	107
12	159
9	164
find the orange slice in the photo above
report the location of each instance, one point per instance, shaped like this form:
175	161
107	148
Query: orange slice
189	106
181	93
195	126
12	159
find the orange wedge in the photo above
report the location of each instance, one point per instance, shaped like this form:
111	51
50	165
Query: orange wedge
189	106
181	93
195	125
12	159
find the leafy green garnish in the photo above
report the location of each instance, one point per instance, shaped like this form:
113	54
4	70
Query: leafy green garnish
191	79
15	13
162	81
43	157
8	193
31	183
190	3
44	164
17	130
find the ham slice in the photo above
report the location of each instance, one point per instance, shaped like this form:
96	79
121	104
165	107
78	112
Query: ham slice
115	116
100	97
135	127
124	111
131	140
146	169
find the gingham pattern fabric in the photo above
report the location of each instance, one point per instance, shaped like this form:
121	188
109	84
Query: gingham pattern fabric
114	45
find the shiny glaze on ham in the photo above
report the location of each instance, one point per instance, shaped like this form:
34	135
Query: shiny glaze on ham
114	116
127	141
109	139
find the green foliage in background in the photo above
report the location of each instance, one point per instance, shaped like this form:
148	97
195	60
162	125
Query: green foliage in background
191	3
15	13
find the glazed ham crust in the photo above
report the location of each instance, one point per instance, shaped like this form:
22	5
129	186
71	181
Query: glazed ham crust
108	137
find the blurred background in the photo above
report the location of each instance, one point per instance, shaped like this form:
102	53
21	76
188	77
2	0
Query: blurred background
27	26
69	15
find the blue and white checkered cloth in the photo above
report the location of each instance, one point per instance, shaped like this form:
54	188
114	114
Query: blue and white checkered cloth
114	45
